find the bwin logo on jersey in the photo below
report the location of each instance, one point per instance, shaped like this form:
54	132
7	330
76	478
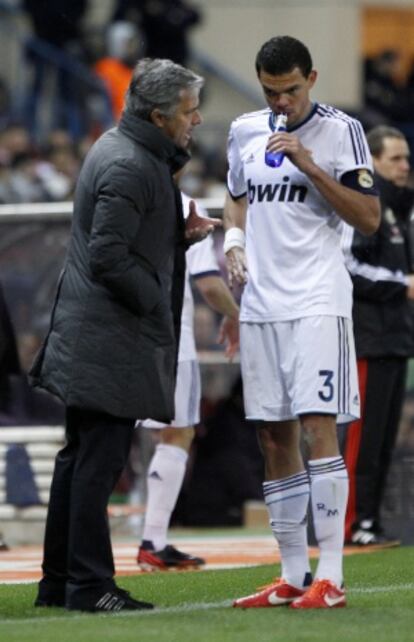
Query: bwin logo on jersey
281	192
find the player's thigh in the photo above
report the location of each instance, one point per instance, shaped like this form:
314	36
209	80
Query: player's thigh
326	380
263	370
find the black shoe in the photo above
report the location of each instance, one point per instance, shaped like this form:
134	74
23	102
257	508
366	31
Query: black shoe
168	558
368	533
50	594
115	599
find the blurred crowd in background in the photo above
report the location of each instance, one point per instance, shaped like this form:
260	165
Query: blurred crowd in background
77	84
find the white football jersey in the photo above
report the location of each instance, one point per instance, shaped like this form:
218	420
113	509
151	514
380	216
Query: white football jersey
201	261
295	264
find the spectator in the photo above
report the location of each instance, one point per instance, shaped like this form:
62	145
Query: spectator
385	96
164	24
15	139
58	24
115	69
5	104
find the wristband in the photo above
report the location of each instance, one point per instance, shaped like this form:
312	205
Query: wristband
234	237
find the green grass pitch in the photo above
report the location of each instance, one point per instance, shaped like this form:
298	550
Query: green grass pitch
196	607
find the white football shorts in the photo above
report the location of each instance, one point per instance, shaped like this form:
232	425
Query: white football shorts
187	397
303	366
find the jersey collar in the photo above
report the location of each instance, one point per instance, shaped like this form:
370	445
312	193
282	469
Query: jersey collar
305	120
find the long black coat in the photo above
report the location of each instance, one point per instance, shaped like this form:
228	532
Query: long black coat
111	344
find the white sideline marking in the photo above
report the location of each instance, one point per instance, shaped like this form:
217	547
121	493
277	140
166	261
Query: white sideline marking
183	608
382	589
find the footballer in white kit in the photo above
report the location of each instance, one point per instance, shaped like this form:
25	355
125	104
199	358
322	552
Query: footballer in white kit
201	262
168	464
297	282
283	232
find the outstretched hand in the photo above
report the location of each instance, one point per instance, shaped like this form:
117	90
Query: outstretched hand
198	227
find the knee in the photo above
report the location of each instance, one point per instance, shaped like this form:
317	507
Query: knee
320	437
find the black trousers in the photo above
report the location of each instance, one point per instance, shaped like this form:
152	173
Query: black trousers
77	546
370	441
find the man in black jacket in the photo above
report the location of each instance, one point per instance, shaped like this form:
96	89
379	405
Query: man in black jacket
381	267
110	353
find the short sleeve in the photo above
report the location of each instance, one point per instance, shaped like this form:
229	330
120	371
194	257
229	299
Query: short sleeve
352	148
201	258
235	176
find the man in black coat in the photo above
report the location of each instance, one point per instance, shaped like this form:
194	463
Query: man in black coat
110	353
382	272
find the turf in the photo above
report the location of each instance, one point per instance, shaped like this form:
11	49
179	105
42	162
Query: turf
195	606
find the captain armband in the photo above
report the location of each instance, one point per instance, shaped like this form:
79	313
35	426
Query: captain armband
234	237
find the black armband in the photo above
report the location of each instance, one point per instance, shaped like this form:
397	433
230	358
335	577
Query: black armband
361	180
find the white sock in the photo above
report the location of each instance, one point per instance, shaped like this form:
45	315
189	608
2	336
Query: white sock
164	480
287	502
329	496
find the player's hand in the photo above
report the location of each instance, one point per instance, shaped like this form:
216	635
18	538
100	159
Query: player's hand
236	266
198	227
229	336
291	146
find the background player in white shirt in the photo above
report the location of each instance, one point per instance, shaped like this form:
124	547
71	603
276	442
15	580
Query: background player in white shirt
167	467
297	351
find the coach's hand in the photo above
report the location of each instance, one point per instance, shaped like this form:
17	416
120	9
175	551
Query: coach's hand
198	227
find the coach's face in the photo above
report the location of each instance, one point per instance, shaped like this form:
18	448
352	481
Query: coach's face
179	126
288	93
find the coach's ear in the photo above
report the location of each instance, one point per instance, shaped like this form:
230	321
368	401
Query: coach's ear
158	118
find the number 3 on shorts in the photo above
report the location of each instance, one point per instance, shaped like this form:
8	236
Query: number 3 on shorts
328	390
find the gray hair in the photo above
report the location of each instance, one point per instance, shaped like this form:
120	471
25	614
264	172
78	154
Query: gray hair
157	84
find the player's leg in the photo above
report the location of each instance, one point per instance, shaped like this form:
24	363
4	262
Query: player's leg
326	388
166	474
286	485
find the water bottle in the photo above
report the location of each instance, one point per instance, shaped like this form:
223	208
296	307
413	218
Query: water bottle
275	159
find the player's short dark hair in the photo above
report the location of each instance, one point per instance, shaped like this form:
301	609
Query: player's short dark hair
375	138
281	54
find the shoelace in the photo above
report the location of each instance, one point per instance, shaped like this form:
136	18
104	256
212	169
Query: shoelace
318	588
276	580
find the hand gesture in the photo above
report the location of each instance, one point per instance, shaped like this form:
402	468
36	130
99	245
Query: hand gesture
198	227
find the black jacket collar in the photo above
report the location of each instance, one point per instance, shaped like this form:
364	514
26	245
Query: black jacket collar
154	140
